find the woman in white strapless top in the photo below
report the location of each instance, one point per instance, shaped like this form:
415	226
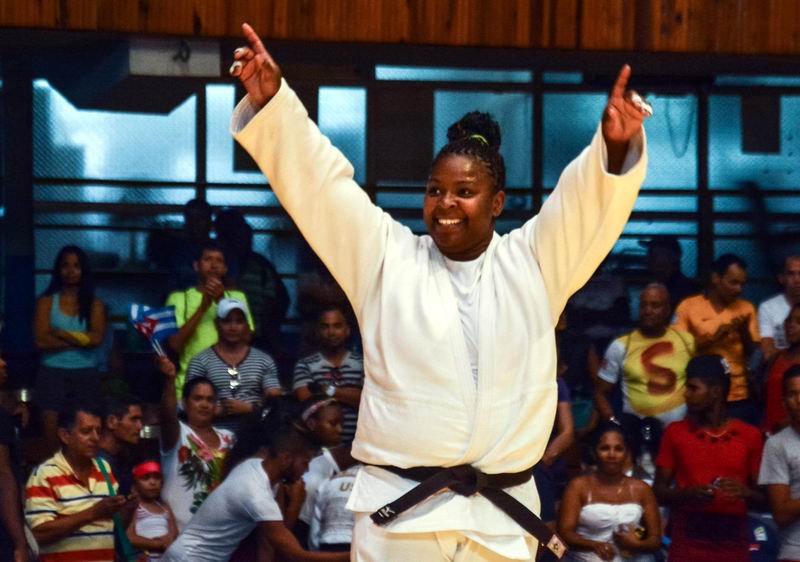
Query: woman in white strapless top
605	515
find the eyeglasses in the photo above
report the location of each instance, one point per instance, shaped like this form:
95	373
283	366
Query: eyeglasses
234	380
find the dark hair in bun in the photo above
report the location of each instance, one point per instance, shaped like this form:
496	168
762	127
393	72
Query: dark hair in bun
477	135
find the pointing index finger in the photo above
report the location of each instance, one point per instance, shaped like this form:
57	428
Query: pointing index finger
254	40
621	83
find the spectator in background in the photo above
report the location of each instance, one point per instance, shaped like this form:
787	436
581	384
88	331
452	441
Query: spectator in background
244	502
69	323
332	523
153	527
196	307
192	452
243	376
176	253
722	323
713	461
780	472
775	415
119	438
334	370
600	310
322	417
664	267
650	363
13	545
606	515
550	473
773	312
69	500
254	275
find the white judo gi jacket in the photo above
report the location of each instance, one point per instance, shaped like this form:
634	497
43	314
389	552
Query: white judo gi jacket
420	405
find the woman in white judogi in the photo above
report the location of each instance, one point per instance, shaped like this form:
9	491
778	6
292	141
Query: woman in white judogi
458	326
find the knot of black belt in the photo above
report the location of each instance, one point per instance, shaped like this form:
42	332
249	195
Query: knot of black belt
467	480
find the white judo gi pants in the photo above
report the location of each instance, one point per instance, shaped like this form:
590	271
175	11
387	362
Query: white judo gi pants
373	543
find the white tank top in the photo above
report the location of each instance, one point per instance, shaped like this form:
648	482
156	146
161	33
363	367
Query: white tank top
598	522
151	525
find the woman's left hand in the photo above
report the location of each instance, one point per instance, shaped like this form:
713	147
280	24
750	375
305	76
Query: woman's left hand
627	540
624	114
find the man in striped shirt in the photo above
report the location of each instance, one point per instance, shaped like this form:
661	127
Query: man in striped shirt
68	503
334	369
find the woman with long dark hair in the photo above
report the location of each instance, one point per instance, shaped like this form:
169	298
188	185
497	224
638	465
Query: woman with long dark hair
606	515
69	324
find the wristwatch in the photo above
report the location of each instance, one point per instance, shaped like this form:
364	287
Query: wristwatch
330	390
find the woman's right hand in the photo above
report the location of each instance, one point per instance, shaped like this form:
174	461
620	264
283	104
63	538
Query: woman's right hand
254	67
605	550
167	367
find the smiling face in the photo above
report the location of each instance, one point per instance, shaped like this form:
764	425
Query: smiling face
461	206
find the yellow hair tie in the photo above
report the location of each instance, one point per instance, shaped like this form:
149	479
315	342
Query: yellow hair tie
480	138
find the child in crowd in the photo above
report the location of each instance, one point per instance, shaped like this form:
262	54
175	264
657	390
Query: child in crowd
153	528
332	523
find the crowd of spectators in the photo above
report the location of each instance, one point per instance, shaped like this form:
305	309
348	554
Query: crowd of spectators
690	449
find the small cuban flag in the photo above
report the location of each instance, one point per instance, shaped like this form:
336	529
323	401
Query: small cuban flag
156	324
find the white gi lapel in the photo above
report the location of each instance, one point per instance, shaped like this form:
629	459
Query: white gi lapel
463	374
487	331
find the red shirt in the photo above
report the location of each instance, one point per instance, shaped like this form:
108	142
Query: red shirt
697	459
776	417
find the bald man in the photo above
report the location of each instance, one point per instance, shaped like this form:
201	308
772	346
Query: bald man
650	362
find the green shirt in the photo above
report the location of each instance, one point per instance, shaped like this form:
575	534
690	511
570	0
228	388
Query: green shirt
186	304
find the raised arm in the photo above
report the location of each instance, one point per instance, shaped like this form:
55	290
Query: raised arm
580	222
312	179
168	411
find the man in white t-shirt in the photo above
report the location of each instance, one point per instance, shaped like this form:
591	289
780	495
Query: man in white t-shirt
245	501
780	471
772	312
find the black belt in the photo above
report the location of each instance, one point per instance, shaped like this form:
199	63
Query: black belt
466	481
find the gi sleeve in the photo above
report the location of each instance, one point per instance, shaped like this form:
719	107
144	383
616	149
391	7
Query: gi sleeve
584	216
314	183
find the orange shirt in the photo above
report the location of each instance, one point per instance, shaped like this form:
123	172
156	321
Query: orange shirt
697	315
